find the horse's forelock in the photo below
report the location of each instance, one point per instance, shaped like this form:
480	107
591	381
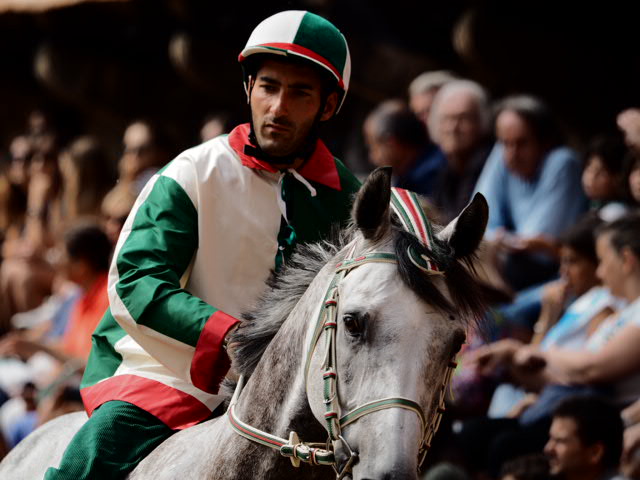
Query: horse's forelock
459	276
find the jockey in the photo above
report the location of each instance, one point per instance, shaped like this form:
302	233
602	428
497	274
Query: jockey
200	243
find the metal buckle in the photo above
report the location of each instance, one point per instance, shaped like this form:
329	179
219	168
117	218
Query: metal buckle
353	456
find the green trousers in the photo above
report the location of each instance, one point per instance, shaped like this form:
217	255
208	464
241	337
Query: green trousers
114	440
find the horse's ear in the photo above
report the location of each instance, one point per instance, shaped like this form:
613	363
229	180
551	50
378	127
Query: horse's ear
371	208
465	232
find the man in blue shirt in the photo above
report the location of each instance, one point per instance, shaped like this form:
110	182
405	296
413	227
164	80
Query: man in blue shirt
532	184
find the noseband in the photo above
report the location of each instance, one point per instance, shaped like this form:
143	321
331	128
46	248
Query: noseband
326	323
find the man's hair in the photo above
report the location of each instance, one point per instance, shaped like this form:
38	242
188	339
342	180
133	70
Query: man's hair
625	232
611	150
581	236
527	467
597	421
536	114
393	119
89	242
456	87
427	81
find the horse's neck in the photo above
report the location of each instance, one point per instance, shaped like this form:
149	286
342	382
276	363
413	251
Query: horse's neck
274	399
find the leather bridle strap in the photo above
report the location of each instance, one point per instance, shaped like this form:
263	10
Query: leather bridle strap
314	453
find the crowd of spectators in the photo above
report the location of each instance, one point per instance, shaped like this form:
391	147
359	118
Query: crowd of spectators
62	206
560	265
561	268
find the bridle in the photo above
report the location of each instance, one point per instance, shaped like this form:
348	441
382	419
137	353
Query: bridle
326	323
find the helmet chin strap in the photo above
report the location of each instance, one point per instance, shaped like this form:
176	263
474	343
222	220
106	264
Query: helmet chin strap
306	149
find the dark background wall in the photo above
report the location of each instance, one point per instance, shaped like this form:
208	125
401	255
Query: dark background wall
98	65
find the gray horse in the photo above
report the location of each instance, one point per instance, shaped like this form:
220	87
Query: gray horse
384	355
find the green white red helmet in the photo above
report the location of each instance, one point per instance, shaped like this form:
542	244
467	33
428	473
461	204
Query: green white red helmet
305	35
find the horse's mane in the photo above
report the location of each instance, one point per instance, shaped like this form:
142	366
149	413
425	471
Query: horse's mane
285	288
283	292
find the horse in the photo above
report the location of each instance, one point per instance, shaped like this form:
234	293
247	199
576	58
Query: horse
369	324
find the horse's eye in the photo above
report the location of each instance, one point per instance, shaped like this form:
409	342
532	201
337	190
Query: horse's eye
353	323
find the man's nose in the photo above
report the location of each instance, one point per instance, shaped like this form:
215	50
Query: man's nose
279	105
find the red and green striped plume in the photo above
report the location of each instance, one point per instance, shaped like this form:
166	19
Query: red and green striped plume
306	35
406	205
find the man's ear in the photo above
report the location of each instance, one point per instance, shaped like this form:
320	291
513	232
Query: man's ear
631	261
329	106
596	452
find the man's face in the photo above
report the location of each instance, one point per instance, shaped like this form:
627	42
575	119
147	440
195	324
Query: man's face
285	100
598	183
459	125
577	270
523	152
381	150
139	152
568	456
612	266
421	105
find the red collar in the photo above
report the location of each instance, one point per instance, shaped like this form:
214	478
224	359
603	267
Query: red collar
320	168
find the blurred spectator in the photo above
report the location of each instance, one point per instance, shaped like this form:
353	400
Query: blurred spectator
20	151
585	440
422	91
459	123
603	176
144	153
26	276
527	467
216	124
607	363
631	454
86	263
14	182
88	252
396	138
115	209
87	175
610	355
532	184
634	178
629	123
558	325
27	422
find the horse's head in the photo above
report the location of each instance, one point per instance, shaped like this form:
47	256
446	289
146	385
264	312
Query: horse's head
400	320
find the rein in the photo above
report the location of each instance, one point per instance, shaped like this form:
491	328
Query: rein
323	453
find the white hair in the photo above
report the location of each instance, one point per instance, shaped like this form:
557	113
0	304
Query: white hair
457	87
428	81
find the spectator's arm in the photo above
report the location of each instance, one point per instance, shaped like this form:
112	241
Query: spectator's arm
618	358
489	357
